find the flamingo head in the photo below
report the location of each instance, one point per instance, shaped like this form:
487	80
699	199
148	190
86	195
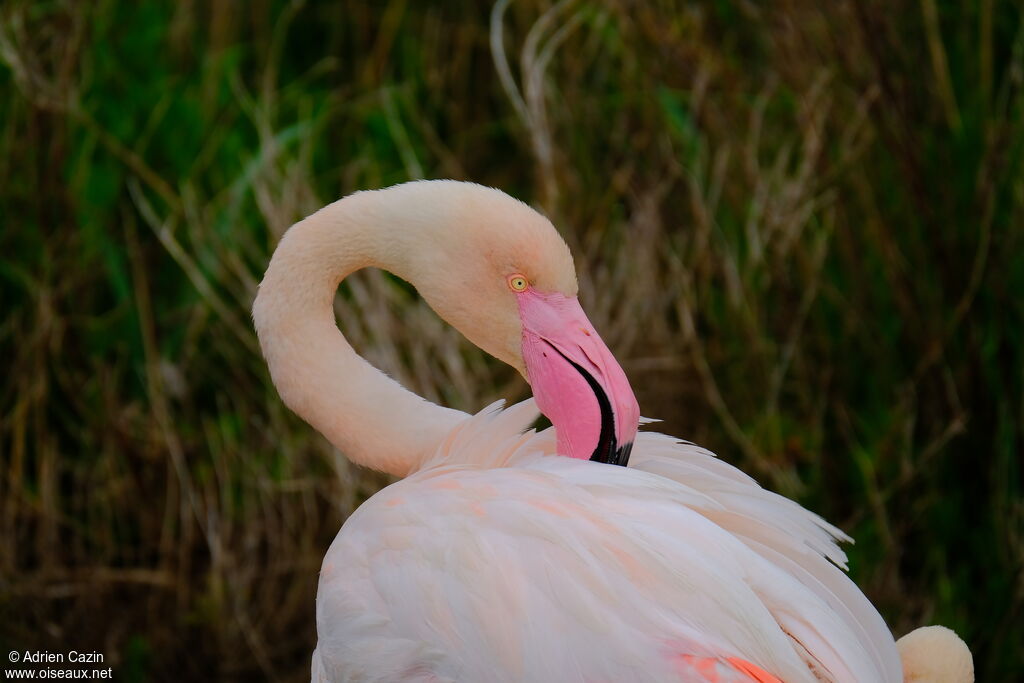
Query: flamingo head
501	274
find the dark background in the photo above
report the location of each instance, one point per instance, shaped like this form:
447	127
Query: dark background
797	224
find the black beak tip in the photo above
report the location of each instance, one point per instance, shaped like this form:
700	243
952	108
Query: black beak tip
621	456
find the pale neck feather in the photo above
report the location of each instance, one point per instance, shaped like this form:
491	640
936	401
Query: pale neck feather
370	417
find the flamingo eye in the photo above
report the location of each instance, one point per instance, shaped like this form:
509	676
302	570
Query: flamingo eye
517	283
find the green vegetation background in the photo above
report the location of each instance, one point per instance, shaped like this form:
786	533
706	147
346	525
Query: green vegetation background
798	225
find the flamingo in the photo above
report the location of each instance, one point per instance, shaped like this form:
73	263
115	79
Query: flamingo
506	554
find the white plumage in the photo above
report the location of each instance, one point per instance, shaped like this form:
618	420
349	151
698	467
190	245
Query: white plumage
520	566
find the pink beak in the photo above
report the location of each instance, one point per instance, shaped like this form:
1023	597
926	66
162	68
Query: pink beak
576	381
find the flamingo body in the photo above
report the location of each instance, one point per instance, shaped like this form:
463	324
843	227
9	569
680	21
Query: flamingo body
499	562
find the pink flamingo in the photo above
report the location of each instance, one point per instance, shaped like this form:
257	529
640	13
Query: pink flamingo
495	560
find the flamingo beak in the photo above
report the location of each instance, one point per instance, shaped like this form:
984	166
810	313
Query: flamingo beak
576	381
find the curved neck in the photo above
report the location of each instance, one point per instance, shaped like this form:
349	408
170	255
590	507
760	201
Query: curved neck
370	417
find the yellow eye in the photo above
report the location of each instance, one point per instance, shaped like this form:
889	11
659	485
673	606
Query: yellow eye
517	283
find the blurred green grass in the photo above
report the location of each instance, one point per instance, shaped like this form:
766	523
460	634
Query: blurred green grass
799	226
